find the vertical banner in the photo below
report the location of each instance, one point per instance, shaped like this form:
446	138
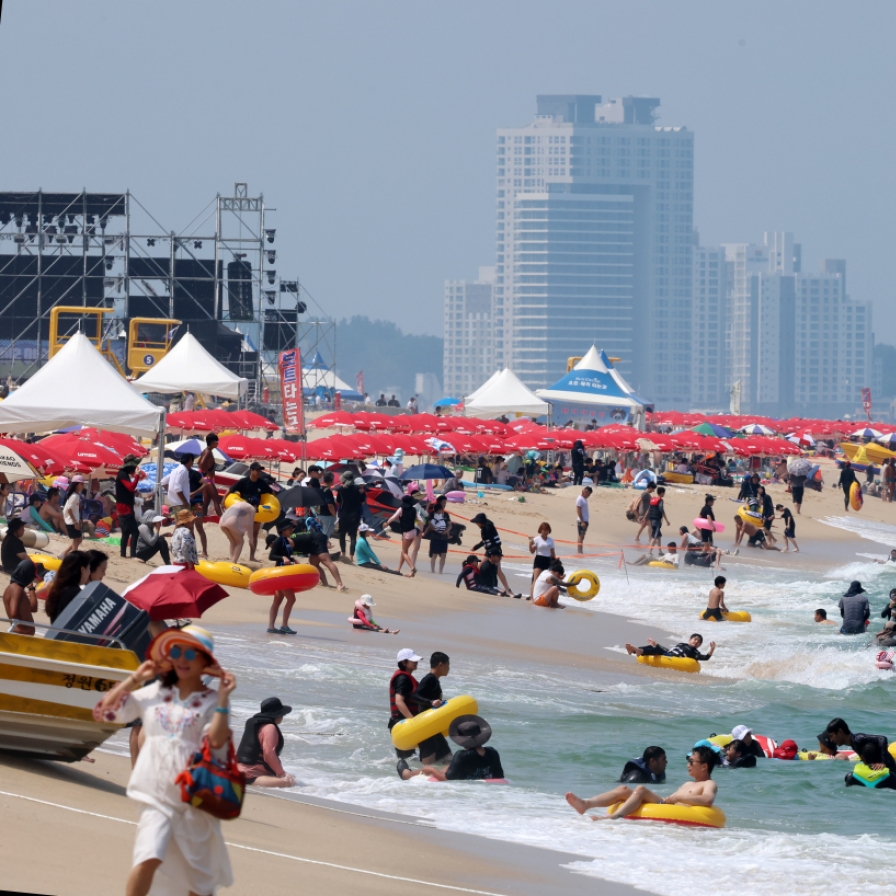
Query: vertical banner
866	401
359	381
291	392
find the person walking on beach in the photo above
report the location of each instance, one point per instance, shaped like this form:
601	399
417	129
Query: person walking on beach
206	467
577	461
702	792
408	524
326	513
643	507
888	472
177	483
583	516
656	513
317	546
439	525
71	514
846	480
706	513
236	523
715	605
183	544
174	839
544	550
789	528
349	501
281	555
491	543
258	754
797	490
250	489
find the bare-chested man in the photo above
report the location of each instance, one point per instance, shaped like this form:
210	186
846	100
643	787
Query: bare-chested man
715	603
51	512
701	792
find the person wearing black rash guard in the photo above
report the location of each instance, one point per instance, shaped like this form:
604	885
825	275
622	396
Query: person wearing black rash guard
429	696
707	514
871	776
649	769
838	733
491	542
474	762
689	650
738	756
250	489
471	576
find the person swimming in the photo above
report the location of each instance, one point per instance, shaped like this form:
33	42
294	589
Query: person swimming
689	649
821	617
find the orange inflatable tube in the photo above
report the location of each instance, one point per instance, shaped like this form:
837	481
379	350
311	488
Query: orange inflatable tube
298	577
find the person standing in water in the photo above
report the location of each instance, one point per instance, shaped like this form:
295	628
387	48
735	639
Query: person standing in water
789	528
583	516
543	547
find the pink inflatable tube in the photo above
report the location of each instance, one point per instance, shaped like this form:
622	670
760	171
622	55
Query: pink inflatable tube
456	497
701	523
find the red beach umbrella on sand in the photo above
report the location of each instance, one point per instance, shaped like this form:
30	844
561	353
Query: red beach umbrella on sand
245	448
173	592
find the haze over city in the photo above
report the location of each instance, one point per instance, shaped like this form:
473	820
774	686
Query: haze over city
371	128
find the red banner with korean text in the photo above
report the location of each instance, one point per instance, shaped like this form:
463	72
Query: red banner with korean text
291	392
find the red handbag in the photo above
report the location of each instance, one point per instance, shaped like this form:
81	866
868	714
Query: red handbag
211	785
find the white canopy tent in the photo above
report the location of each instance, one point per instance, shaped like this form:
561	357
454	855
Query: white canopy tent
78	385
189	367
505	394
485	385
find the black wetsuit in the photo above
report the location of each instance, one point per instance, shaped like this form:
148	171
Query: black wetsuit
748	761
683	650
427	692
847	478
636	771
468	765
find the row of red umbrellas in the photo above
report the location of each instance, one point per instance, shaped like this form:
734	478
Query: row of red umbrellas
216	420
812	426
85	451
370	421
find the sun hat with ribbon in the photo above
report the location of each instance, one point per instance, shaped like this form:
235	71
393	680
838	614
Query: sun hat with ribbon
190	636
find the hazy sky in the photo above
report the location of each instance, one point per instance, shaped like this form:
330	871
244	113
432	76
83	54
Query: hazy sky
370	126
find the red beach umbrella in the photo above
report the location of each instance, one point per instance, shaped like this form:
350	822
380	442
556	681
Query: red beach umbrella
173	592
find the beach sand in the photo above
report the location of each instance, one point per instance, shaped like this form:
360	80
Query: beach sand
92	855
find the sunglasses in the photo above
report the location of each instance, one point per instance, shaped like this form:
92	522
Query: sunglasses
177	652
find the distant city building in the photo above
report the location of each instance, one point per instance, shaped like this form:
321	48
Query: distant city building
708	391
469	353
594	243
794	341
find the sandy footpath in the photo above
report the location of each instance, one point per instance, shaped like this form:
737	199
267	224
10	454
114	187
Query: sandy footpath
91	855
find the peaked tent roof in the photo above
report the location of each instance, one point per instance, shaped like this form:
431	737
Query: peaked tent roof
190	367
78	385
505	394
484	386
594	380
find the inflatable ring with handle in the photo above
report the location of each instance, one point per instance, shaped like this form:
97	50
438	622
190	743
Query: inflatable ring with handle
46	560
730	616
690	816
662	564
223	573
856	500
409	733
749	516
679	663
298	577
268	507
582	575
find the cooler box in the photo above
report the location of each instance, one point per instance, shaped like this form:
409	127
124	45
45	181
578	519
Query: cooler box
99	611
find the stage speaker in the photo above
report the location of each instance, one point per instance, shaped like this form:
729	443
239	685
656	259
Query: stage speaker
239	290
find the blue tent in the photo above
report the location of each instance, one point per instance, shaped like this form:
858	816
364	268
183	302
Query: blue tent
593	389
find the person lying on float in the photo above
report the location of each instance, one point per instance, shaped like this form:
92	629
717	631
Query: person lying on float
701	792
689	649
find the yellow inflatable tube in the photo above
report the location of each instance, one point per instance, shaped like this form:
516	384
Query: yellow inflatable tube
583	575
679	663
748	516
730	616
661	564
690	816
268	507
814	755
407	734
48	562
232	574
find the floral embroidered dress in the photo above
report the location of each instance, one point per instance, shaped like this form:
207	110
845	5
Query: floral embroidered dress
189	842
183	546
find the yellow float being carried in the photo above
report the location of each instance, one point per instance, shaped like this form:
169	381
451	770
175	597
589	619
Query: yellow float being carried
750	516
583	575
232	574
268	507
409	733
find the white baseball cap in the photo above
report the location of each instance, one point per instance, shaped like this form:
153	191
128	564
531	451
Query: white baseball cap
368	600
408	654
739	732
364	528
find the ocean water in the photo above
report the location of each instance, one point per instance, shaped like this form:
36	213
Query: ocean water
560	730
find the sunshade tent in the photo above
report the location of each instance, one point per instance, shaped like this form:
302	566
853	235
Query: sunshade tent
505	394
188	367
78	385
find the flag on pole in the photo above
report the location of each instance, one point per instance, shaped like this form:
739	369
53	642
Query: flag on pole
359	381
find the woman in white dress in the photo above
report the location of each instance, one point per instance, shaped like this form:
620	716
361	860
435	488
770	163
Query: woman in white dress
179	850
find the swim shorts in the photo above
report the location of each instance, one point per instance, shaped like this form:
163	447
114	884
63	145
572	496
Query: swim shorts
712	614
656	530
582	528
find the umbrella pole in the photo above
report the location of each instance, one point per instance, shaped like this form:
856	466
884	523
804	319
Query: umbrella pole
160	464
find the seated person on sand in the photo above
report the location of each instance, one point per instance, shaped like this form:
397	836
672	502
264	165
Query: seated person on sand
258	754
364	555
689	650
701	792
34	520
362	618
51	512
548	585
473	762
698	552
649	769
471	576
821	617
671	556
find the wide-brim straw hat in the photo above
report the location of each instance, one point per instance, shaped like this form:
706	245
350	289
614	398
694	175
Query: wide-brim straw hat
189	636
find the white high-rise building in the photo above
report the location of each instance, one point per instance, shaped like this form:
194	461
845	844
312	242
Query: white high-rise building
469	352
794	341
595	243
708	392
